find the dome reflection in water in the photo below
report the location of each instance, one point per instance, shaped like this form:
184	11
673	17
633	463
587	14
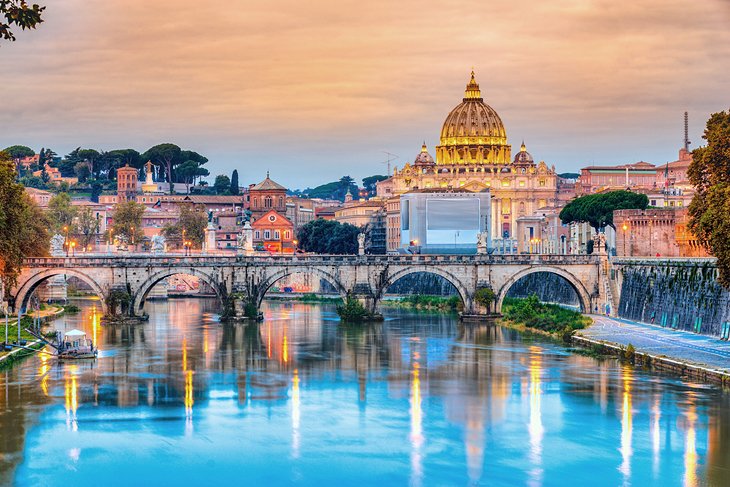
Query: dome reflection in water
419	400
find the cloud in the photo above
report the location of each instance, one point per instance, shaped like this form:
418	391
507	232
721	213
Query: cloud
315	89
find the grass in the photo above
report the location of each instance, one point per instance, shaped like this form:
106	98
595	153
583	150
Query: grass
547	318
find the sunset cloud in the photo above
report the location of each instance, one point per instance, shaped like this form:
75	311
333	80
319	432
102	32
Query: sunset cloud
313	90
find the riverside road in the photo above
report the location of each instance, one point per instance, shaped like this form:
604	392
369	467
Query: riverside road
679	345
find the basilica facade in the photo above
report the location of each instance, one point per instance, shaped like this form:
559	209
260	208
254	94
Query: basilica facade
474	154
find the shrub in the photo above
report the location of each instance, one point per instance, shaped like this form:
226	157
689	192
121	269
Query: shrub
352	311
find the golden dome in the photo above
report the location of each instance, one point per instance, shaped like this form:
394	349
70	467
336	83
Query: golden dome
473	133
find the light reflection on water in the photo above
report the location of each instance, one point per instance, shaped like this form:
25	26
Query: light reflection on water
418	400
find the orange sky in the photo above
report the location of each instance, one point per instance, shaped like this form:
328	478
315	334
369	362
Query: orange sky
317	89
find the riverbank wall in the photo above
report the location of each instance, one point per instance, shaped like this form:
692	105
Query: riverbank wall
681	294
657	362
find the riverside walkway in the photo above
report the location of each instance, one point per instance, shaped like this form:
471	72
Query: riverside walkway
700	350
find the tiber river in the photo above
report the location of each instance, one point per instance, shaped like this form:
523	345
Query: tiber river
417	400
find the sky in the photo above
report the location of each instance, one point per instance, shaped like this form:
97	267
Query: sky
315	90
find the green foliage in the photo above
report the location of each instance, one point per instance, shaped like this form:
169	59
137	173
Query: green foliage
424	301
189	171
193	221
370	183
71	309
335	190
116	299
709	211
630	353
550	318
87	227
328	237
127	221
597	209
18	13
250	310
234	182
23	226
222	184
485	296
569	175
352	311
61	214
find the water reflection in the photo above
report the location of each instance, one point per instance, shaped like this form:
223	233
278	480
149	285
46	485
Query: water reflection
418	399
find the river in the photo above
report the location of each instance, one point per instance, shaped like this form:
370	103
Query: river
417	400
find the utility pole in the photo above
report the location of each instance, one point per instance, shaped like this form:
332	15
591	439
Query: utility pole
391	157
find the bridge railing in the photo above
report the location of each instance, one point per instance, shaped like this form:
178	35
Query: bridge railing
135	260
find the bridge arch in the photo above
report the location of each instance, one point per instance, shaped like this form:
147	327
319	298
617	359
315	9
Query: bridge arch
461	288
269	281
144	289
580	290
25	290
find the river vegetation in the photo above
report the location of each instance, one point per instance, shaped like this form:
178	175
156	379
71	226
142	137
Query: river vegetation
547	318
426	302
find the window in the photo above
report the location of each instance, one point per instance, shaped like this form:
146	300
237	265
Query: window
522	184
268	202
258	234
277	235
281	201
287	235
255	202
267	234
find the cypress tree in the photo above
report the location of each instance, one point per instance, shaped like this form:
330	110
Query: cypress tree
234	182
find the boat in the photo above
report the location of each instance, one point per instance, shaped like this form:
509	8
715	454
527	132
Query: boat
73	344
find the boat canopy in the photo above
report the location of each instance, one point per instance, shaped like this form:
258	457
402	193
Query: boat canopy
74	333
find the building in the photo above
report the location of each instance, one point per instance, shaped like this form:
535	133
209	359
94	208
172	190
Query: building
376	236
127	178
274	233
358	212
474	155
325	212
639	175
299	211
674	174
54	175
655	233
41	197
266	196
434	221
392	224
227	227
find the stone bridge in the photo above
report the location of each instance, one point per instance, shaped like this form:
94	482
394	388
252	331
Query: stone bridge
244	279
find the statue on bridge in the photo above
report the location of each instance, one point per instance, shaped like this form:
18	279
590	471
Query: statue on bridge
57	243
158	244
360	244
482	242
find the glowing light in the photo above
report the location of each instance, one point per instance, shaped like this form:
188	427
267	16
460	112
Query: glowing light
535	426
285	350
656	433
690	447
626	426
295	412
416	425
72	404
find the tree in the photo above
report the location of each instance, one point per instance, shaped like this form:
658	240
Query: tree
485	296
127	222
88	227
90	156
222	184
335	190
234	182
328	237
167	156
18	152
189	171
193	220
370	183
597	209
23	226
114	159
61	214
19	14
96	189
82	170
709	211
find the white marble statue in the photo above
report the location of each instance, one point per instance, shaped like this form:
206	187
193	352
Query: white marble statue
158	244
482	239
57	242
241	240
361	244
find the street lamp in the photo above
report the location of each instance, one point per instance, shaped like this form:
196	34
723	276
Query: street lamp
73	249
625	227
65	240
